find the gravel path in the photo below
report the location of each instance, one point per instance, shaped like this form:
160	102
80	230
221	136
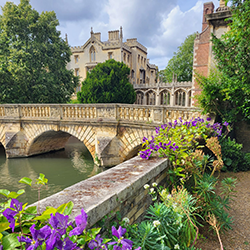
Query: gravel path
239	237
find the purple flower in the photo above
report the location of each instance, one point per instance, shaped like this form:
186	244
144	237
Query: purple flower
54	241
39	236
97	243
126	244
16	205
208	119
9	214
145	154
69	245
27	240
81	223
226	124
59	222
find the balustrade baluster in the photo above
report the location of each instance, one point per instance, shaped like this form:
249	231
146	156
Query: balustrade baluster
87	112
141	114
82	112
146	117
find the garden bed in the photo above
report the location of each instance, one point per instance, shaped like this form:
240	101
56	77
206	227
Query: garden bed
239	237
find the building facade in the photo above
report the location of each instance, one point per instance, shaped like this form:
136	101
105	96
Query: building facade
161	93
131	52
213	22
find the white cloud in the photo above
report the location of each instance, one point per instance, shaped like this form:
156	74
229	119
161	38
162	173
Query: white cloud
160	25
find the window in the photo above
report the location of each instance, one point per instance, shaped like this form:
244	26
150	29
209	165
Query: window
165	98
110	55
132	73
124	57
76	58
77	72
92	54
138	58
128	58
180	98
141	60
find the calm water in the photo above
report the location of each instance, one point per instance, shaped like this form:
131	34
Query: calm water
62	169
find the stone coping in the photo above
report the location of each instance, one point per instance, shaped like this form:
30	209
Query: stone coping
104	192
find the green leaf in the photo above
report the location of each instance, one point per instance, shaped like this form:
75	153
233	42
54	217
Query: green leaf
14	195
26	180
4	192
41	180
10	242
69	208
61	208
46	214
4	226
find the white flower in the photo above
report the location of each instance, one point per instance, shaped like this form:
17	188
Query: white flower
156	223
174	205
176	246
152	190
169	196
146	186
154	184
125	220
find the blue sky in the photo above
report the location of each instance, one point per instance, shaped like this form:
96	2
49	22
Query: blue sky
160	25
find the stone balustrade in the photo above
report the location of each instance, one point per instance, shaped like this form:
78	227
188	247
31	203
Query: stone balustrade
112	112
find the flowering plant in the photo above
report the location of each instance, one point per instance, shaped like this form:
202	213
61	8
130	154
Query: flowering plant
56	232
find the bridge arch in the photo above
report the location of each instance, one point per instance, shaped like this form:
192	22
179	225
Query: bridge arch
46	138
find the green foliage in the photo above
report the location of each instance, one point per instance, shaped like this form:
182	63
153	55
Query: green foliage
169	224
233	156
181	63
230	96
213	98
108	82
33	57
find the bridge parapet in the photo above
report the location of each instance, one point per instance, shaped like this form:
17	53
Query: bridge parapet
83	112
111	132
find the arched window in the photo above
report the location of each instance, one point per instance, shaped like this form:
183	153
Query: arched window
139	98
189	98
180	98
92	54
165	98
151	98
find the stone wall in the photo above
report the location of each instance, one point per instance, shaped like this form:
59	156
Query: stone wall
117	189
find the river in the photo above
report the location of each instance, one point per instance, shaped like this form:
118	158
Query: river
62	169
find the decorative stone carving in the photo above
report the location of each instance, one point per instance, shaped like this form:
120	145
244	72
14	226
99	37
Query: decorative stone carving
55	112
106	112
11	111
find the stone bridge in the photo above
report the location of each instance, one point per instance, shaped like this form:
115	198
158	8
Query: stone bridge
111	132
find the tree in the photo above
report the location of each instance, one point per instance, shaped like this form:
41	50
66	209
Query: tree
108	82
33	57
181	63
232	54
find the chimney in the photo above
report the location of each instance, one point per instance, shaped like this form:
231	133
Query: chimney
208	8
114	35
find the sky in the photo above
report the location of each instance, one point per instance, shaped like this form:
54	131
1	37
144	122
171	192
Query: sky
160	25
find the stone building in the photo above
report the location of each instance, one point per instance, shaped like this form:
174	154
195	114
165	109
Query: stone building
161	93
84	58
213	22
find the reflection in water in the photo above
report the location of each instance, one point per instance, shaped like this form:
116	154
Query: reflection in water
62	168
